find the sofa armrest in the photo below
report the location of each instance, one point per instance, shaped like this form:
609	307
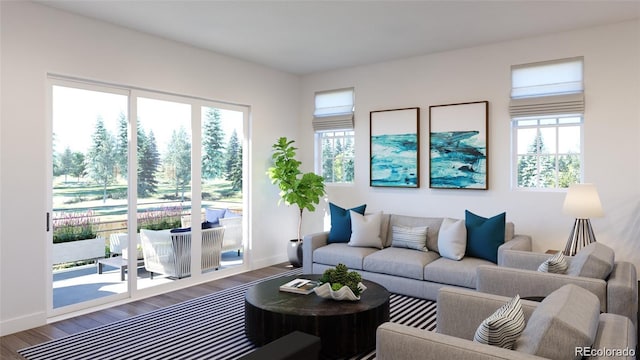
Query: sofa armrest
310	243
461	311
615	332
525	260
399	342
518	242
508	282
622	291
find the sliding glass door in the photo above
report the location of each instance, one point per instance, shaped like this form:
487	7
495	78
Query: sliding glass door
157	178
88	190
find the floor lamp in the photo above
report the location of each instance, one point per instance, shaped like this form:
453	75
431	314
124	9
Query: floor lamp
582	202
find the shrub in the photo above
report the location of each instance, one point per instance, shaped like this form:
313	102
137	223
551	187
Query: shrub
73	226
168	217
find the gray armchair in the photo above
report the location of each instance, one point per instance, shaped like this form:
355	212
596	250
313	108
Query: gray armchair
461	311
170	253
617	291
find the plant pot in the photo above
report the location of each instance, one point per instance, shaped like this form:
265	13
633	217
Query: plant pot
78	250
294	252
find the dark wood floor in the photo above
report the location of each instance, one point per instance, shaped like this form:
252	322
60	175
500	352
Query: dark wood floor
10	344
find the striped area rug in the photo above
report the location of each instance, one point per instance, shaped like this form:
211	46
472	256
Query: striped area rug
208	327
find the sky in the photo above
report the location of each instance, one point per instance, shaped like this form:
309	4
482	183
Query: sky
75	112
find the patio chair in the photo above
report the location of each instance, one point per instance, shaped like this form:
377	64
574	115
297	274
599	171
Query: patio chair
232	233
170	253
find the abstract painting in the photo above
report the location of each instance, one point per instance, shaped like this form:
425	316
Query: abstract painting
395	144
458	146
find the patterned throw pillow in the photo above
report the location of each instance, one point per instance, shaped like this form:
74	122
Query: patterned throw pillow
503	327
410	237
556	264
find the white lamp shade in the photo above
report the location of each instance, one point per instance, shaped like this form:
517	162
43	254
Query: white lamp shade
582	202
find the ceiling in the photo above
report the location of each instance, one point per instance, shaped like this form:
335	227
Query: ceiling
304	37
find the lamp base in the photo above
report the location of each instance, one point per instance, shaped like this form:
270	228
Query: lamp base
581	236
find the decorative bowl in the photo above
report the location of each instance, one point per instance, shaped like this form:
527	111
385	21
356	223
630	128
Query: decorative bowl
344	293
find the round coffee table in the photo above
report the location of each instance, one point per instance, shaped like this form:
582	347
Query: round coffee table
345	327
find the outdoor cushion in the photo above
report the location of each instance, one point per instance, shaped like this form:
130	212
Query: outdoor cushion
213	215
452	272
334	254
484	235
340	231
567	319
400	262
594	260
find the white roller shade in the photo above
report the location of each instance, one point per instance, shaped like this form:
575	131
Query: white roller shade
334	110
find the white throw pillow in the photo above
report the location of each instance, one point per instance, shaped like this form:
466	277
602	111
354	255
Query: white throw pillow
556	264
503	327
365	230
410	237
452	239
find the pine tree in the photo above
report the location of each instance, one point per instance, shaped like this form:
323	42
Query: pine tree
327	160
66	163
535	169
212	146
122	145
349	167
148	163
102	157
78	165
233	152
235	172
178	160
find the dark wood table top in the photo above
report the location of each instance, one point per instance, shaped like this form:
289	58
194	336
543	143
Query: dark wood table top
267	296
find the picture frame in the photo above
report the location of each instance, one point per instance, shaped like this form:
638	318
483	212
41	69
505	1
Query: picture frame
459	146
395	148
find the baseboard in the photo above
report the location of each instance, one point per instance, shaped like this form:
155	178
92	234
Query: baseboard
22	323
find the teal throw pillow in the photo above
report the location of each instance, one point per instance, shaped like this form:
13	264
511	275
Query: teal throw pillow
484	235
341	223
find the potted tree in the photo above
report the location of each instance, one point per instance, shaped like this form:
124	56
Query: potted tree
296	188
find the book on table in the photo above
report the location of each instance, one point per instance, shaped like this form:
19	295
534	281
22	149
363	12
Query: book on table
299	286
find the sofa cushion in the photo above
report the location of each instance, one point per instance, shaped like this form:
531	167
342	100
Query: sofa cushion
594	260
452	239
213	215
414	221
484	235
340	231
567	319
410	237
334	254
399	262
556	264
365	230
452	272
503	327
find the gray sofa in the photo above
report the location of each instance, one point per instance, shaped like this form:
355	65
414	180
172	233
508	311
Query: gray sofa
400	270
566	325
594	268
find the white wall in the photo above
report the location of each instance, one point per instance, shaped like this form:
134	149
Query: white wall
611	132
36	40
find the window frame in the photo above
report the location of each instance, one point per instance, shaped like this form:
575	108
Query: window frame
319	154
538	126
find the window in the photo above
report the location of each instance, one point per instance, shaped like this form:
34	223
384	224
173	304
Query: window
333	124
547	108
